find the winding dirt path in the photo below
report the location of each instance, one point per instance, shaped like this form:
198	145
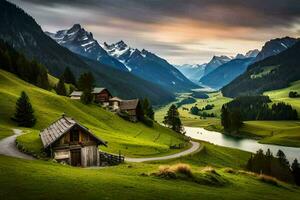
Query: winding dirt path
195	147
8	146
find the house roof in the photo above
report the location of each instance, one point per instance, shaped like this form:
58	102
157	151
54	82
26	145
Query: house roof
98	90
115	99
76	93
129	104
57	129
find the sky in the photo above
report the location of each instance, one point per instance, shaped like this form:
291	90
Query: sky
181	31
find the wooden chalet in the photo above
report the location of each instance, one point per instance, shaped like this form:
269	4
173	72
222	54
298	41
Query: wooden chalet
131	107
102	95
67	141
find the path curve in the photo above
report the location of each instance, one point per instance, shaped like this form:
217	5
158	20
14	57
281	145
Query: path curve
195	147
8	146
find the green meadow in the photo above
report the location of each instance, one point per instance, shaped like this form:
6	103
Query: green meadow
132	139
218	171
285	133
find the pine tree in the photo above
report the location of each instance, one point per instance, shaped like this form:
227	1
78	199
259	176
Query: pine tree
296	171
225	117
60	87
147	108
24	114
69	76
86	85
282	158
172	119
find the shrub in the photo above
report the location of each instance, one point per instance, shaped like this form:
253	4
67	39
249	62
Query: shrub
230	170
209	169
268	179
171	171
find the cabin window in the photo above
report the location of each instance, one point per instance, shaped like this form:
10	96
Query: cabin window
74	135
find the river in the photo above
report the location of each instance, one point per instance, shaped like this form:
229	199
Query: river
240	143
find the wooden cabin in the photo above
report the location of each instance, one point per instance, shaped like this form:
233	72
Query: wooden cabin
132	108
102	95
76	95
67	141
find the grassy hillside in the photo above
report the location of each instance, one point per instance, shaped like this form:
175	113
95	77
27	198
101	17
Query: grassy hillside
188	119
41	179
272	73
133	139
283	95
273	132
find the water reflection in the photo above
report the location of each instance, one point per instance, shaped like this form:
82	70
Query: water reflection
240	143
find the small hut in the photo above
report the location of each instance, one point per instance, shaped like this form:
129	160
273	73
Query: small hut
67	141
132	108
76	95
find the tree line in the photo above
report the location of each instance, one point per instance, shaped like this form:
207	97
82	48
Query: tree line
277	166
16	63
254	108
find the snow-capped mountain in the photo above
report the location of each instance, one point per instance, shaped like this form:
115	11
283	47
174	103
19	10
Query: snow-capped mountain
81	42
215	62
249	54
274	47
149	66
193	72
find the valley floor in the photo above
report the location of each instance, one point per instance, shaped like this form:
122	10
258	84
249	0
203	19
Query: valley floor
286	133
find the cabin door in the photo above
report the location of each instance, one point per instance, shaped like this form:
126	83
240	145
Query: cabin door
76	157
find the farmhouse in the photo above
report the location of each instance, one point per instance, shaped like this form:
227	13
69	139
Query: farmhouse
67	141
132	108
101	95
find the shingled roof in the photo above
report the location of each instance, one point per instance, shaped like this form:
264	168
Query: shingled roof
98	90
129	104
57	129
76	93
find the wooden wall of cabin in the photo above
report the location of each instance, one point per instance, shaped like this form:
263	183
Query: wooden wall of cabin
90	156
84	138
103	96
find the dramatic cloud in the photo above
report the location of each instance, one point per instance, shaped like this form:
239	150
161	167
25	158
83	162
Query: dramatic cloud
181	30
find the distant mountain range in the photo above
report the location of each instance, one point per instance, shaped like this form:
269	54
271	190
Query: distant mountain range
274	47
192	72
22	32
210	75
273	72
226	73
214	63
221	74
81	42
143	64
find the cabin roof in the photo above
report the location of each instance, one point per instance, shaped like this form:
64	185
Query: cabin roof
129	104
76	93
98	90
115	99
60	127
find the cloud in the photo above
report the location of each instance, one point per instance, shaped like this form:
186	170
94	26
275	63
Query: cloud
254	13
182	31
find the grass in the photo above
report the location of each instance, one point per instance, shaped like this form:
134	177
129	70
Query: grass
188	119
132	139
285	133
282	95
47	180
